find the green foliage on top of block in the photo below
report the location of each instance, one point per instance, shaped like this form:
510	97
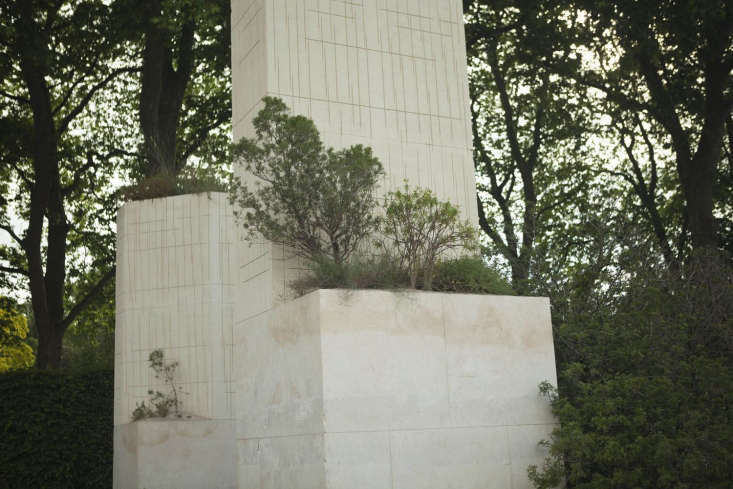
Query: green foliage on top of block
420	229
318	201
189	180
469	275
372	272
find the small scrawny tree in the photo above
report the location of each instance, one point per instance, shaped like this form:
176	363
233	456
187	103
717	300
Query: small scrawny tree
318	201
420	228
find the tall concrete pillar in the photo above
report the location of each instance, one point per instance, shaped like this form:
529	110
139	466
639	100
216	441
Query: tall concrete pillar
389	74
176	291
378	390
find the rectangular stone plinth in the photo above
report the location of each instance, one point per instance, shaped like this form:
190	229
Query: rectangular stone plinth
175	454
394	390
175	291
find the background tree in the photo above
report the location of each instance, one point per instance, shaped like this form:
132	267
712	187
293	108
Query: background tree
69	101
639	302
663	69
182	102
529	129
55	60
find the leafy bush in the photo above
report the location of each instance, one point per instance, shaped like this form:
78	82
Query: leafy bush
56	429
646	387
469	275
421	229
15	352
320	202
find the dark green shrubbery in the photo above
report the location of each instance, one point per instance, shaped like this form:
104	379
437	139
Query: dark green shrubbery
469	275
464	275
646	387
56	430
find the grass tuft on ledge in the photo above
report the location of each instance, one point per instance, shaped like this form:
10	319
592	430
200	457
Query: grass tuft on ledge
167	185
468	275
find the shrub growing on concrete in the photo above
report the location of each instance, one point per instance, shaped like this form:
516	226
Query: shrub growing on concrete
421	229
190	180
318	201
374	272
469	275
161	404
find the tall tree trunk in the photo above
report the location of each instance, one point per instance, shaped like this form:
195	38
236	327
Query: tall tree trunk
46	286
163	89
44	243
696	170
699	177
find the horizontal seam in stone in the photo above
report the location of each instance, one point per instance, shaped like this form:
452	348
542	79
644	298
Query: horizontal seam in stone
391	430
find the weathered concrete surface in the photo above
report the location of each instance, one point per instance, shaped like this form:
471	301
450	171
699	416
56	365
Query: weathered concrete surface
376	389
175	290
175	454
280	397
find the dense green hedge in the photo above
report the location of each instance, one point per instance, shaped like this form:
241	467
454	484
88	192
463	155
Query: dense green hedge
56	430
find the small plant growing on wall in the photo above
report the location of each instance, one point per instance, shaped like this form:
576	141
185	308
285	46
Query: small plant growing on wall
160	405
421	229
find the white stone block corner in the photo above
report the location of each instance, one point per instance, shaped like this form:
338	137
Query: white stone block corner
338	389
409	390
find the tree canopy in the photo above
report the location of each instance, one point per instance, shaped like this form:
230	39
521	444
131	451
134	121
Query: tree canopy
70	82
602	135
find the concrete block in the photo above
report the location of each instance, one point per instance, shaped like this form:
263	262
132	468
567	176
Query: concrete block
175	454
169	298
398	389
337	389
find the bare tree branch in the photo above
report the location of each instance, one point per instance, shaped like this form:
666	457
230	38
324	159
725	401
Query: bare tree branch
76	181
491	232
509	122
23	176
21	100
8	229
646	193
87	299
17	271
